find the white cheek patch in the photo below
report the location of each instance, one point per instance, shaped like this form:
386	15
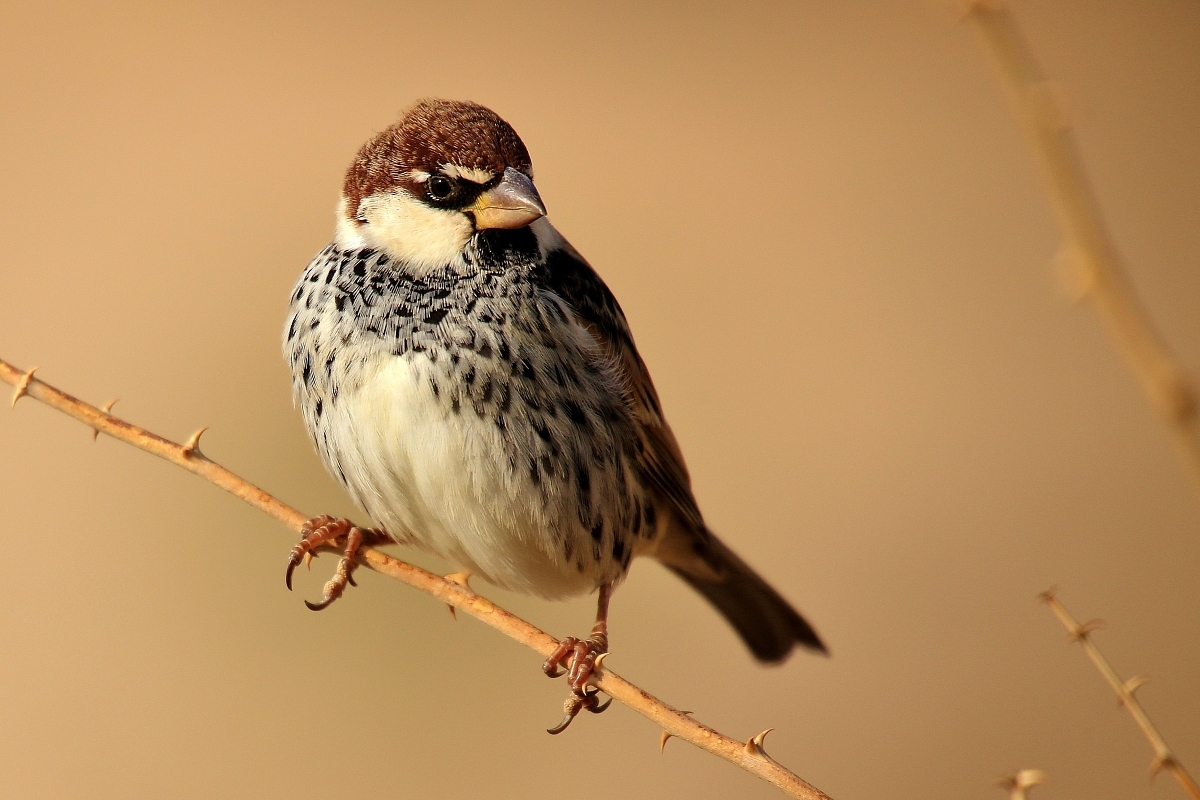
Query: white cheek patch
347	233
404	228
474	174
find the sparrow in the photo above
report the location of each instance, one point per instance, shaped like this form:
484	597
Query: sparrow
473	384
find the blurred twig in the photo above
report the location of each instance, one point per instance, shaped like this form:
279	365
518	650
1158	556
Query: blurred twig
1090	251
1018	786
1163	757
748	755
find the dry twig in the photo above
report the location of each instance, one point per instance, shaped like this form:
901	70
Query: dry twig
748	755
1082	633
1018	786
1090	252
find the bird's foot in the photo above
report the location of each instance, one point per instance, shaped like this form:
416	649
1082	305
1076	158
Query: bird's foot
325	530
581	656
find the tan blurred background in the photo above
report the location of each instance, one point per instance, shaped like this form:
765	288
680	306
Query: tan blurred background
835	253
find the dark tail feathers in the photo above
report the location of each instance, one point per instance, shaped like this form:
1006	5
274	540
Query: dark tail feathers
768	625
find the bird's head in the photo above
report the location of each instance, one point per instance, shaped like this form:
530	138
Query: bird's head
421	189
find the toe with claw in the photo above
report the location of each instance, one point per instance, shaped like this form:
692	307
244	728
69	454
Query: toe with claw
325	530
579	656
576	703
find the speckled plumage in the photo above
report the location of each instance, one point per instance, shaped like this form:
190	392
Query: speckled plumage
519	389
473	384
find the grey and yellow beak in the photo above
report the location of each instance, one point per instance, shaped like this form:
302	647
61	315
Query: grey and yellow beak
512	203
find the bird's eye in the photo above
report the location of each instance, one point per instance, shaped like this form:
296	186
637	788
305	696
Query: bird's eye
439	187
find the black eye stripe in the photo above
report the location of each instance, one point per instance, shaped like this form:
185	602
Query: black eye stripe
446	192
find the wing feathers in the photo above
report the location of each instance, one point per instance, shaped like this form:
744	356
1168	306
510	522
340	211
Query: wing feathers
661	460
766	622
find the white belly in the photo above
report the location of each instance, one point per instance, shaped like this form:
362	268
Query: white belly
441	480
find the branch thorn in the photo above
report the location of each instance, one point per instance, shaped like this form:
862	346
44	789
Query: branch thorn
22	386
1018	785
754	745
1160	763
193	444
1130	686
106	409
462	579
662	741
1084	630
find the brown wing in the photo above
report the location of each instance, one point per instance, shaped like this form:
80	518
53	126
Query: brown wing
571	278
762	617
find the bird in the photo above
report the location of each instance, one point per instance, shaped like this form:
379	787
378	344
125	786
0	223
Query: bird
473	384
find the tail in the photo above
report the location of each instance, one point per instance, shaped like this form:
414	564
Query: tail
767	623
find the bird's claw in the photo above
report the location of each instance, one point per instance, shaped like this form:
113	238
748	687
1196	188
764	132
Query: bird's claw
582	656
589	701
321	606
316	532
324	530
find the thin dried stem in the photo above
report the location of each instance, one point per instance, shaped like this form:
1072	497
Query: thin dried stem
1019	785
1090	251
1163	757
747	755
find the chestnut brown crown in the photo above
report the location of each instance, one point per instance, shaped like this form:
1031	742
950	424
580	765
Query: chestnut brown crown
432	134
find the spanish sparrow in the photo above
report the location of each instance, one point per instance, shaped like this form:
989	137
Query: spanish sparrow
473	384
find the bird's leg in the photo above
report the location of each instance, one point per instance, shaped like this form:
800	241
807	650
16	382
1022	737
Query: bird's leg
580	657
324	530
581	654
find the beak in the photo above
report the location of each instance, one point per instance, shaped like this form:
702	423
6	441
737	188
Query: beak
512	203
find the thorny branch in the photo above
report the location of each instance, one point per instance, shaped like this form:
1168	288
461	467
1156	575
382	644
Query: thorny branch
748	755
1093	265
1082	633
1089	253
